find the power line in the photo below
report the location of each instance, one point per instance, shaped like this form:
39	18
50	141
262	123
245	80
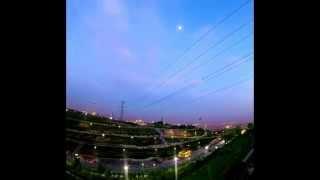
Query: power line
218	90
204	52
221	89
170	95
203	36
219	53
205	79
122	110
210	30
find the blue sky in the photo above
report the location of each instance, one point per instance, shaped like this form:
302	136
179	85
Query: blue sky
124	49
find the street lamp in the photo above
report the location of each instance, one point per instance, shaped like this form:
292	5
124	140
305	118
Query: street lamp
126	169
176	167
175	159
207	147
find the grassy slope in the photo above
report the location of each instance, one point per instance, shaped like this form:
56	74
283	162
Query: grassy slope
221	161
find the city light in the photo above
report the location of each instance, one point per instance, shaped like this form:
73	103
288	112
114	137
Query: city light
95	147
76	154
131	137
103	134
119	126
154	165
126	174
185	153
85	112
243	131
207	147
142	164
123	150
175	159
176	167
91	124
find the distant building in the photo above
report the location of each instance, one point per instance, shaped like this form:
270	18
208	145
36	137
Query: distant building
140	122
196	124
85	112
185	153
179	133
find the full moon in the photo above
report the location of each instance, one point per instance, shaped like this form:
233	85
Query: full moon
179	27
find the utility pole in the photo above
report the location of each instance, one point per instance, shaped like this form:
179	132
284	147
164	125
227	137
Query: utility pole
121	110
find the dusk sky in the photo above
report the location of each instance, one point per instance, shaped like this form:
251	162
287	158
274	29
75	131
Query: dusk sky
130	50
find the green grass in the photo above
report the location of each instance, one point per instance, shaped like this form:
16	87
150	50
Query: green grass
219	163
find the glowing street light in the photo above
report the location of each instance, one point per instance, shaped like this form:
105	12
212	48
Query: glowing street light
243	131
175	158
176	167
131	137
154	164
91	124
95	147
126	169
103	134
207	147
123	150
